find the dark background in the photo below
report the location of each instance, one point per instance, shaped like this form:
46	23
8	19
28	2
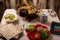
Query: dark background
1	10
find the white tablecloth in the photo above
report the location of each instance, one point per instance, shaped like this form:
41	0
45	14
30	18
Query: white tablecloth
50	19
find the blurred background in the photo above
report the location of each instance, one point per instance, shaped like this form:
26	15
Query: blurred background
39	4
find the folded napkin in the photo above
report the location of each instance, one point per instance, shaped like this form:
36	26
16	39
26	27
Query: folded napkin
10	31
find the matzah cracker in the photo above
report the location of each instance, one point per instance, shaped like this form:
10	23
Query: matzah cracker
10	31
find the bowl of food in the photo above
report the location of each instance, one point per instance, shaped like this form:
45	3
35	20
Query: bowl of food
38	32
10	17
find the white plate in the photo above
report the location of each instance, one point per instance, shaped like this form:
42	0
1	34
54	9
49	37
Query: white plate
10	11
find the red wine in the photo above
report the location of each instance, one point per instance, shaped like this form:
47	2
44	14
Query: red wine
23	12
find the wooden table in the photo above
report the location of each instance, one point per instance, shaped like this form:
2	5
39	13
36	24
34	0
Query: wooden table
50	20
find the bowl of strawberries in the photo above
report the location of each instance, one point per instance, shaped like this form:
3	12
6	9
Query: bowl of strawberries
38	32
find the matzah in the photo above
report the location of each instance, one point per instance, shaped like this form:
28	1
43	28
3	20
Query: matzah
10	31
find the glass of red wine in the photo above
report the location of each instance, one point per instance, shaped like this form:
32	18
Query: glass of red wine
23	12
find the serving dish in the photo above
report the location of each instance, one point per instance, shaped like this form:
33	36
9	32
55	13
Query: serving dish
38	32
10	15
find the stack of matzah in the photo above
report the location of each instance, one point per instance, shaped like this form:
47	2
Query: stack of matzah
10	31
